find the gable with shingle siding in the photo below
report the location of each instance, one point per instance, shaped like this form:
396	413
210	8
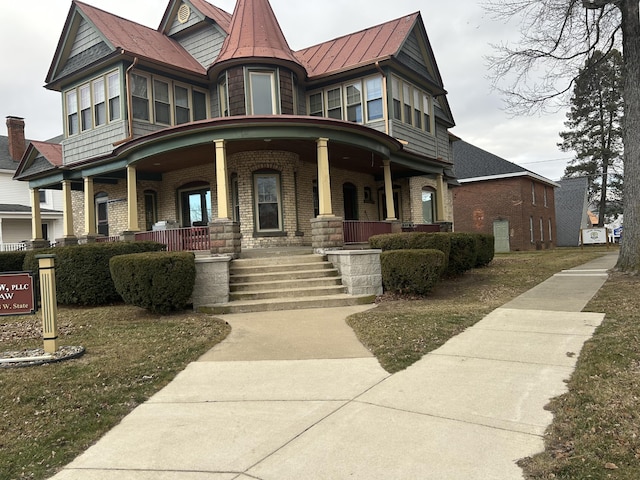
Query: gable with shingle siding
203	44
412	56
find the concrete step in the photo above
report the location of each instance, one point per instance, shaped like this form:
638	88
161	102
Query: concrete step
276	259
282	284
341	300
279	276
251	269
287	293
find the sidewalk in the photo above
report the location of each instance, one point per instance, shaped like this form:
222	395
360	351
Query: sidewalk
276	403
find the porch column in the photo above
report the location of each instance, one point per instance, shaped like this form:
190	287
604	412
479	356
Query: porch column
440	200
324	180
36	217
89	208
132	200
67	210
221	179
388	191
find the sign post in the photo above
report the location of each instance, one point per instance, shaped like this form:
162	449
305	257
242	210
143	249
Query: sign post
49	302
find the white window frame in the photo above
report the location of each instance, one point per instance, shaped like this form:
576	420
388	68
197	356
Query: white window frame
329	104
257	73
158	102
72	114
189	106
223	96
141	99
112	98
373	95
257	202
99	98
353	102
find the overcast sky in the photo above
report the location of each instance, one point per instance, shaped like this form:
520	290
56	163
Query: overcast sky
461	34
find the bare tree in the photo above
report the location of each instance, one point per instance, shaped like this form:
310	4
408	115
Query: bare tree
537	74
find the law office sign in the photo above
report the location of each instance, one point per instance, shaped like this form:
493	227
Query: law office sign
16	294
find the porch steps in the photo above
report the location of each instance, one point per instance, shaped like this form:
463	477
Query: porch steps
285	282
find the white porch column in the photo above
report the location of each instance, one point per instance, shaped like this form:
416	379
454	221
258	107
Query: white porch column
324	179
67	210
221	180
89	208
440	199
388	191
36	217
132	200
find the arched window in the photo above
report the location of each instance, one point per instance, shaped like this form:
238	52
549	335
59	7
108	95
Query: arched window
428	205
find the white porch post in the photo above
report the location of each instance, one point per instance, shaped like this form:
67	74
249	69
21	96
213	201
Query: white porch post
388	191
89	208
132	200
440	201
67	210
36	217
221	180
324	179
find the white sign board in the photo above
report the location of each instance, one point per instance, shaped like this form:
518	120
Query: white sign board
593	235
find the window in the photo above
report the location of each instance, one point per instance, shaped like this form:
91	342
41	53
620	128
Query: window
99	104
267	202
162	103
72	113
417	113
102	213
42	195
195	204
397	104
316	199
262	85
150	209
334	104
406	101
541	230
544	193
199	105
140	97
374	99
183	111
350	200
235	198
550	236
426	111
85	107
223	94
315	105
113	81
531	229
428	205
533	193
354	103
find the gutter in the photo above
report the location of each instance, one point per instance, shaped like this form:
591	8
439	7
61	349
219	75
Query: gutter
129	102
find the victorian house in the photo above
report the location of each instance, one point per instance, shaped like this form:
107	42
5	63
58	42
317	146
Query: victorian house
211	126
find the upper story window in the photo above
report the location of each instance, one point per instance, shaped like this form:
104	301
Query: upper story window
411	105
223	95
533	193
165	102
262	85
359	101
93	104
545	196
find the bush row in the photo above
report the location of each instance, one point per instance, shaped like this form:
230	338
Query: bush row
412	271
158	281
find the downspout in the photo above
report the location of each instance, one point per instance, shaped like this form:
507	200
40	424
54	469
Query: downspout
385	103
127	76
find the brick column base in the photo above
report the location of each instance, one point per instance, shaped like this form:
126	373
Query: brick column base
225	237
327	232
66	241
37	244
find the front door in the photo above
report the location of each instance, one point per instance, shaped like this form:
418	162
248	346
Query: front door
350	194
501	236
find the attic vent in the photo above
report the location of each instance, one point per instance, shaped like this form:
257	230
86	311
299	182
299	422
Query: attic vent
183	13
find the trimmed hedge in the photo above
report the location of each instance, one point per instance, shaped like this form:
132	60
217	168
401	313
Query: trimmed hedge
412	240
485	245
464	253
411	271
12	261
161	282
82	271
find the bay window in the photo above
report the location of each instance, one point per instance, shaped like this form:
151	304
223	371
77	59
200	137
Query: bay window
334	103
359	101
140	97
72	113
182	111
99	104
162	103
113	87
85	107
315	105
397	103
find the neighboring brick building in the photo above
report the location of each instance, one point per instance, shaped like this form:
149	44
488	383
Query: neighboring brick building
501	198
212	119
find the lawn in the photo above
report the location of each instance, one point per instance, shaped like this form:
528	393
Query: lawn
52	413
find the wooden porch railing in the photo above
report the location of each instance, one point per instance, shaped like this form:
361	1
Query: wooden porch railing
359	232
12	247
179	239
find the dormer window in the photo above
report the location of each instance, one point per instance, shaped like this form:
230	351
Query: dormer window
262	86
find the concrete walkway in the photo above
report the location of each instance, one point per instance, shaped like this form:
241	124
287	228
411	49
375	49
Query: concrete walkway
293	395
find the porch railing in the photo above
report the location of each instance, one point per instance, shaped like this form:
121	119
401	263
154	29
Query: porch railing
179	239
12	247
359	232
110	239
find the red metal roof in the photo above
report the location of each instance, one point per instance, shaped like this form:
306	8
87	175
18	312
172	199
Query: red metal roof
218	15
52	152
139	40
255	33
363	47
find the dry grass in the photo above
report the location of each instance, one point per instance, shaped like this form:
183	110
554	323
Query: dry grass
52	413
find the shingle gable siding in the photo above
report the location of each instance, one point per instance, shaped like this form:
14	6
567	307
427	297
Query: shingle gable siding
203	44
86	37
411	56
93	142
84	58
177	27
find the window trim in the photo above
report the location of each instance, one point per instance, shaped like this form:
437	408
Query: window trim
279	202
275	98
434	210
418	97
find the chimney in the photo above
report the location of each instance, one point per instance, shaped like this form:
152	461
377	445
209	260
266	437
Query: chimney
17	143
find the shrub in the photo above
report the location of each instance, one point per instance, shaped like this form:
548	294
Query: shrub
463	255
12	261
158	281
411	271
82	271
485	245
389	241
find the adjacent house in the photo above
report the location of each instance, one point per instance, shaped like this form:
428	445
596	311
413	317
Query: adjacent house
212	126
572	210
15	197
501	198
